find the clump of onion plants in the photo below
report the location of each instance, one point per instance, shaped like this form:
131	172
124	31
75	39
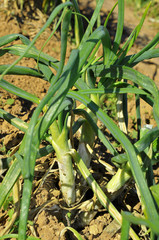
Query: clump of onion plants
86	78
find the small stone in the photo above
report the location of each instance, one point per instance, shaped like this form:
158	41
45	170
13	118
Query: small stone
93	229
56	192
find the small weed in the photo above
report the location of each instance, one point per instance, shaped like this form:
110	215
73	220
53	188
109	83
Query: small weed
10	101
133	134
130	96
133	119
3	149
110	106
7	203
10	213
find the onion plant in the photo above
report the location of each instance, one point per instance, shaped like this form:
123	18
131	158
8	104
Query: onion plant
86	78
46	4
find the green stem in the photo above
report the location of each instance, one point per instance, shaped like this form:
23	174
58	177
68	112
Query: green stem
60	144
120	113
87	133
